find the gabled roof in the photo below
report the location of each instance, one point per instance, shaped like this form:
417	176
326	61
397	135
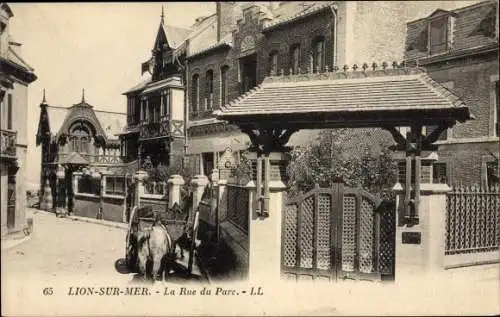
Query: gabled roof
140	86
55	120
333	97
75	159
175	35
289	12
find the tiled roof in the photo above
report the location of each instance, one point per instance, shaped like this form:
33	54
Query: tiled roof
138	87
204	35
350	93
287	16
227	40
111	123
75	159
176	35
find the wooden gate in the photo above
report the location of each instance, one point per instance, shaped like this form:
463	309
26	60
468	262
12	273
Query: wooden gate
338	233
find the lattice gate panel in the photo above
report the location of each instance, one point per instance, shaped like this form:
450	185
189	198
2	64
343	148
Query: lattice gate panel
366	235
387	239
349	233
306	233
290	236
322	228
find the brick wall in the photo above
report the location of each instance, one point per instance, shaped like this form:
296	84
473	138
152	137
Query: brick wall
279	39
471	82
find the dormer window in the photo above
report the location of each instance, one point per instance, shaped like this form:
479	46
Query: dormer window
438	35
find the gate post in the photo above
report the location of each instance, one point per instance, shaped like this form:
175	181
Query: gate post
420	246
264	232
199	183
174	189
139	176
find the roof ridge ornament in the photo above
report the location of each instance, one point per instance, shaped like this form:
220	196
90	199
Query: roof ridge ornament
162	15
44	100
83	95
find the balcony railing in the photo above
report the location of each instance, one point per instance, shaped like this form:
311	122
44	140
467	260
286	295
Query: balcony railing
154	129
8	141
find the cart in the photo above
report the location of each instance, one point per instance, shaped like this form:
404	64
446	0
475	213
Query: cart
179	222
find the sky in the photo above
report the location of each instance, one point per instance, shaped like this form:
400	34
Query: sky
95	46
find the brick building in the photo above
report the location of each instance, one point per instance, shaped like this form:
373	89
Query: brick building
15	76
459	49
224	55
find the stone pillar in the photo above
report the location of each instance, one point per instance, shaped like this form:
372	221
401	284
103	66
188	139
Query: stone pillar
175	183
140	176
420	246
199	183
265	231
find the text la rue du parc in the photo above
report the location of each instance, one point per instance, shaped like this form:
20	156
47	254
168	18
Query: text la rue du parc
166	291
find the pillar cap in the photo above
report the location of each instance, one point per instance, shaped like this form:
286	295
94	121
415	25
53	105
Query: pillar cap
425	188
176	180
273	185
200	180
141	175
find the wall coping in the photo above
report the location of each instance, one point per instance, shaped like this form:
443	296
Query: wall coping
425	188
154	196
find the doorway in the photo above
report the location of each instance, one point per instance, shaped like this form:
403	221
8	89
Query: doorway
248	67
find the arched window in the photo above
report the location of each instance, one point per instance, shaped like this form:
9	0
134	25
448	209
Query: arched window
209	99
318	54
195	93
224	72
273	63
80	140
295	58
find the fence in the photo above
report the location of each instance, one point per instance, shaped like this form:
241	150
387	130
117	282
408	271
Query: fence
472	220
155	188
237	206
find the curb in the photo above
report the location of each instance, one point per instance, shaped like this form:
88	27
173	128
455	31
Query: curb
10	243
99	222
106	223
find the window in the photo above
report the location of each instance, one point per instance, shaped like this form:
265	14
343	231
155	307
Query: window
248	72
438	38
273	63
88	185
115	185
492	176
439	173
166	103
209	99
9	111
497	108
318	54
224	72
80	140
294	58
195	93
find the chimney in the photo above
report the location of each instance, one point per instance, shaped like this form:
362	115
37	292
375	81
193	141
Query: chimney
226	19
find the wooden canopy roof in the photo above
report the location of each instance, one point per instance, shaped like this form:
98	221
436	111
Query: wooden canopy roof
360	98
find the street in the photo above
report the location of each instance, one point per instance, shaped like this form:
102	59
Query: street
63	248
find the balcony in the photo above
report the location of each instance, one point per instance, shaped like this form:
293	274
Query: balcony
153	130
8	141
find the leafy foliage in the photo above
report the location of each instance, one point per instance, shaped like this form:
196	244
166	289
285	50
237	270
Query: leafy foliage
359	158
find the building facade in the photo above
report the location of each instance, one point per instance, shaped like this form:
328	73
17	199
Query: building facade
459	50
224	55
83	171
15	77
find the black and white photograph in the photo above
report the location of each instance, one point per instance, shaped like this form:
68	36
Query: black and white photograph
297	158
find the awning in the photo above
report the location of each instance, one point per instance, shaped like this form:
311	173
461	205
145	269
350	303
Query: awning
237	142
169	82
74	159
363	98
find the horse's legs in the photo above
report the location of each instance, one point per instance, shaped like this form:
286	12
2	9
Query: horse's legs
156	268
